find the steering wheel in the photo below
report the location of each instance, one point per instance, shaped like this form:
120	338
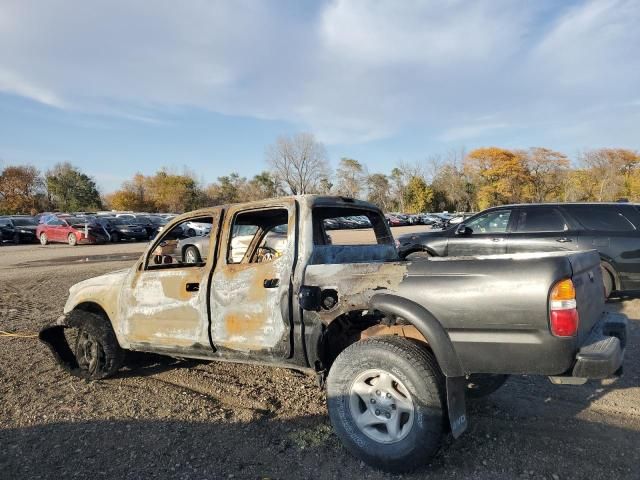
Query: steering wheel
266	254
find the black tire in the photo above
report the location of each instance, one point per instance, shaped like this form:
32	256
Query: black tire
115	237
417	371
97	350
482	384
607	280
72	240
191	232
191	255
16	239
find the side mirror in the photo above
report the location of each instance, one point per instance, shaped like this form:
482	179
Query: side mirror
463	230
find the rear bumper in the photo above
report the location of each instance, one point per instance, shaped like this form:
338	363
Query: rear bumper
602	354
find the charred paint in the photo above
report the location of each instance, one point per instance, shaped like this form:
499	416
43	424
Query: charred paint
355	283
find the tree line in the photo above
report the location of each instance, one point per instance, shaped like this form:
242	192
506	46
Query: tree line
298	164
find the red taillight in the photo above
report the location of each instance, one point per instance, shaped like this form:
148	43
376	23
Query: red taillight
563	315
564	323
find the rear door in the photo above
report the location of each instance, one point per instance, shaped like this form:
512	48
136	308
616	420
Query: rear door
613	230
250	291
542	228
488	235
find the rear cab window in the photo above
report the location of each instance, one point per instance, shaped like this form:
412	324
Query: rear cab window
340	235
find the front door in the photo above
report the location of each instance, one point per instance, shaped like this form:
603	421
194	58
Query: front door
250	291
487	234
165	304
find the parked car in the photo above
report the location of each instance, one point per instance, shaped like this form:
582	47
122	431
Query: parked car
196	228
18	229
613	229
397	343
71	230
126	228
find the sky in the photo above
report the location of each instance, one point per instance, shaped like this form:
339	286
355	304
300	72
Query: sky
123	86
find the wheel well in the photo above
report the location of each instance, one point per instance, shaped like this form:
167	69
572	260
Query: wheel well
356	325
92	307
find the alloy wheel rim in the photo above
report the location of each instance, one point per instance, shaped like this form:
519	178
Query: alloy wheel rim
381	406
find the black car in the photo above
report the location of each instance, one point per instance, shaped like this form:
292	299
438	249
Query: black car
613	229
123	228
18	229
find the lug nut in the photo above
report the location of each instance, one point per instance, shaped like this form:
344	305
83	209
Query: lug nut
388	415
378	392
377	412
388	395
373	400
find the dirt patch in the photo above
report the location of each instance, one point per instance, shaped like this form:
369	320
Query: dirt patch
173	419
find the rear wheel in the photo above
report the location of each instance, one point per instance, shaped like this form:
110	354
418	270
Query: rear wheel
72	239
16	238
607	280
191	232
385	398
43	239
115	237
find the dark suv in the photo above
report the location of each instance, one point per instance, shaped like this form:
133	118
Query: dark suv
611	228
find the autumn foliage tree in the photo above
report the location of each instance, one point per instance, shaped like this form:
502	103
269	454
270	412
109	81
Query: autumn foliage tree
21	190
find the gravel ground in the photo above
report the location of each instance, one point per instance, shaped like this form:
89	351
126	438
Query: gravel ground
163	418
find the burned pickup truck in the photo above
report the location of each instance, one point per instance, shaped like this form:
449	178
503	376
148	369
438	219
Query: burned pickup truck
398	344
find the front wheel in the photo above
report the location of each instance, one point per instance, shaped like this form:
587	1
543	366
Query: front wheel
16	239
97	350
385	398
72	239
191	232
115	237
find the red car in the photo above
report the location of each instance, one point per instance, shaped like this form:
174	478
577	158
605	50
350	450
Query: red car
71	230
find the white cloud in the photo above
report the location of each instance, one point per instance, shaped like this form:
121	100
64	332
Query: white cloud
351	71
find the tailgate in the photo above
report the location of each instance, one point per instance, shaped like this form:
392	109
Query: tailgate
587	279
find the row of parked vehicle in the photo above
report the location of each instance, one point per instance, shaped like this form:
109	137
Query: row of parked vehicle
86	228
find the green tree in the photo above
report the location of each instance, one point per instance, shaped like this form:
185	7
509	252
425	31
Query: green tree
379	191
418	196
350	176
70	190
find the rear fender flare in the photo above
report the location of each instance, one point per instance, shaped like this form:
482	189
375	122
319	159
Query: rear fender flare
442	348
427	325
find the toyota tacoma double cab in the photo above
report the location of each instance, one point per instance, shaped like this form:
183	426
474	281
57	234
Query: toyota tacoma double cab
399	345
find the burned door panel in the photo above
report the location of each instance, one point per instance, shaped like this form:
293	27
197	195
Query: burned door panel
250	290
164	306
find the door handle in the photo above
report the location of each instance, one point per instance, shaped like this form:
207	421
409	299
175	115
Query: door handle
497	239
271	282
193	287
564	240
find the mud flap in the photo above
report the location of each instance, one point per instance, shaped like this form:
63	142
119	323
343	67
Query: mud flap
456	392
53	337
